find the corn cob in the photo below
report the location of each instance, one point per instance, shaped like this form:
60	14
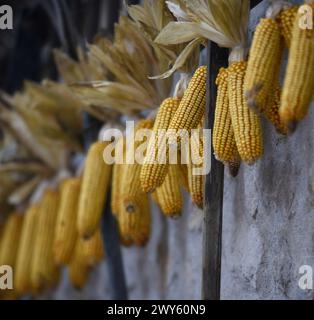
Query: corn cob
298	85
126	242
44	270
184	180
192	107
95	183
116	179
132	193
65	235
169	195
153	174
92	249
10	239
196	182
78	274
79	269
116	195
286	20
141	224
262	69
246	124
224	143
22	281
136	226
271	111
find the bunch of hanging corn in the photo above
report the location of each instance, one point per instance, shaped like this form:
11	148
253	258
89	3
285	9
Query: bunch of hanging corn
153	173
298	85
95	183
22	279
66	233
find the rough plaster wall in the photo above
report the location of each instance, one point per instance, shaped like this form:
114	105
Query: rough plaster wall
268	232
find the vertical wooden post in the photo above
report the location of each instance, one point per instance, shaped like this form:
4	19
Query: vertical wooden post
213	206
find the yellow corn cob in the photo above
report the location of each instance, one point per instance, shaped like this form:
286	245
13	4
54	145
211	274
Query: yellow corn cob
184	181
66	233
10	239
286	20
224	143
126	242
245	122
79	269
169	195
95	183
141	224
116	195
93	249
271	111
298	85
22	280
78	274
116	185
192	106
262	69
153	174
44	270
136	226
132	193
196	182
